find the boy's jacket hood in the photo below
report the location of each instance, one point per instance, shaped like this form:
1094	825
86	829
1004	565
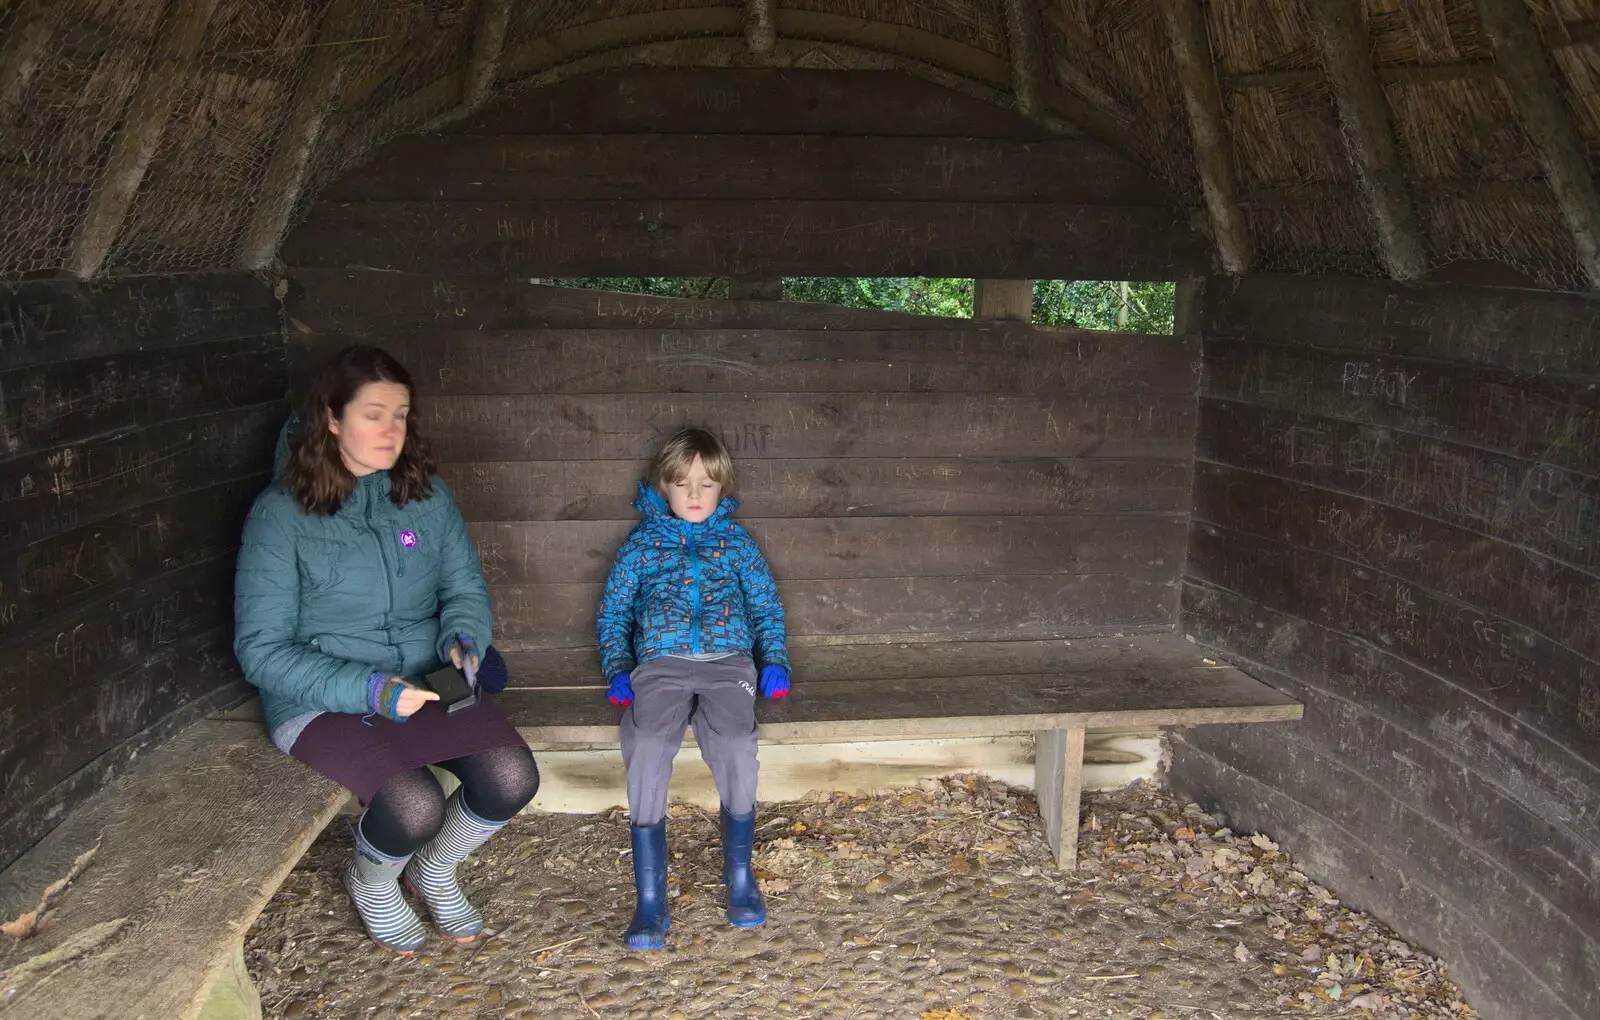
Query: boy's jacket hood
655	509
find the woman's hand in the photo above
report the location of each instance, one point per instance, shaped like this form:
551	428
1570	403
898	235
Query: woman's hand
463	645
391	697
411	699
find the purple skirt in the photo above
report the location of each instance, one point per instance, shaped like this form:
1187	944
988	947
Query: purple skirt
364	752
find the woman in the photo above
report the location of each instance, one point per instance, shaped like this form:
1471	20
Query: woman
356	578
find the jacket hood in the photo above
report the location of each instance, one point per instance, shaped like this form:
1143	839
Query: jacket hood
654	507
280	456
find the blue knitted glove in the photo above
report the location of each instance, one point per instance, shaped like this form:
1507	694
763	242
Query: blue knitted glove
383	695
492	673
621	690
774	682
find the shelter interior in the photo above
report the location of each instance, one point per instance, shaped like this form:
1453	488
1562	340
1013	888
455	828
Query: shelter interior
1365	468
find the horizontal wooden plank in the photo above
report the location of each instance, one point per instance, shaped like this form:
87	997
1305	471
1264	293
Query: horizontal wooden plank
854	487
716	238
58	573
921	707
47	494
1550	857
379	305
75	650
945	608
48	321
1560	602
1147	547
1457	901
1527	331
1020	360
177	818
70	401
1516	669
1552	420
1511	753
80	721
630	167
759	426
747	101
1548	508
31	822
1147	653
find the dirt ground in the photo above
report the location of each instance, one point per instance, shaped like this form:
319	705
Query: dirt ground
939	903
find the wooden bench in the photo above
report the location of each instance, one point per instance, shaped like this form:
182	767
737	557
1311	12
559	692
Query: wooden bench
188	847
1057	690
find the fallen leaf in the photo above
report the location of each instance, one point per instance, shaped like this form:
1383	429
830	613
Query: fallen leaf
945	1014
1184	835
1242	954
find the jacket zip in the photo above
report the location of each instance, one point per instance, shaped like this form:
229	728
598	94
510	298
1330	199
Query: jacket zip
694	572
388	582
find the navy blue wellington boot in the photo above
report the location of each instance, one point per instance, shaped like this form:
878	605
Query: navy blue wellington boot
746	907
650	920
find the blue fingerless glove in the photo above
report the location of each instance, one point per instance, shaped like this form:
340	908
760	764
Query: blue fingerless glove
383	695
492	673
463	642
621	690
774	682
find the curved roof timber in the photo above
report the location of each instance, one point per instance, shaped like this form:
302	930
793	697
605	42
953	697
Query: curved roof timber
1035	57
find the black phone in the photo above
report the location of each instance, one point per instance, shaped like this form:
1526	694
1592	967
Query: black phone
456	693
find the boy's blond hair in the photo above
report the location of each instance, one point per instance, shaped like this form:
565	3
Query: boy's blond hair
677	456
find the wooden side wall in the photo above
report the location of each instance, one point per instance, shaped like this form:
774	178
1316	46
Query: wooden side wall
136	423
749	173
1397	520
908	477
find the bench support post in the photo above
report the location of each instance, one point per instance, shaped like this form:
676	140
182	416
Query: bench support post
233	995
1058	782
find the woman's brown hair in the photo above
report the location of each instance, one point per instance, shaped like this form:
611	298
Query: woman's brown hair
315	474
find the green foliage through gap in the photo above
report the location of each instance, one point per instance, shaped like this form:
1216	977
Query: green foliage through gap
1127	306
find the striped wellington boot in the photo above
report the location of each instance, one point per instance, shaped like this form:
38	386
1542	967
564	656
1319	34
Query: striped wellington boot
432	872
373	882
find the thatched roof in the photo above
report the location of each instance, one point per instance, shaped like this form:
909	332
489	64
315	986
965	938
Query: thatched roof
153	135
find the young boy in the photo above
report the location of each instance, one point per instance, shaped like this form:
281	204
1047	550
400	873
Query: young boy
690	627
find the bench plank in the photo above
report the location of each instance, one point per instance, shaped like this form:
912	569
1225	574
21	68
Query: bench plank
912	706
193	843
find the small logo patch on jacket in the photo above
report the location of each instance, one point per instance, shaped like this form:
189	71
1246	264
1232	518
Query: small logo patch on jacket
408	539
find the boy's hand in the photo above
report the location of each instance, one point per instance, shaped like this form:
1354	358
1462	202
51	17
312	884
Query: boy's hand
620	692
774	682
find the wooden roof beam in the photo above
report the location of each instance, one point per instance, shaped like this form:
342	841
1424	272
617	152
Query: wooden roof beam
1364	114
1186	31
1532	85
143	125
760	30
1036	97
314	97
483	63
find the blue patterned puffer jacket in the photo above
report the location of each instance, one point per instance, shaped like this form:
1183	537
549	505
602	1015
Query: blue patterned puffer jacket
687	589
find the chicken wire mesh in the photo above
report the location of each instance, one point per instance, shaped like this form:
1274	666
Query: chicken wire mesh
145	135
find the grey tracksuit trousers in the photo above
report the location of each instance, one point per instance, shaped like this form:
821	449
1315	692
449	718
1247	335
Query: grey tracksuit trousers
719	698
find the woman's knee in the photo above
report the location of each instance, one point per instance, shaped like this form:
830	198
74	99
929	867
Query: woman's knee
496	790
406	812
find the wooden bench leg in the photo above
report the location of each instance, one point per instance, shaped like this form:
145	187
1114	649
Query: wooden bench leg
233	995
1058	782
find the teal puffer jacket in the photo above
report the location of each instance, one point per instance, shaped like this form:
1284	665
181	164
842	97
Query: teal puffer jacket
320	603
